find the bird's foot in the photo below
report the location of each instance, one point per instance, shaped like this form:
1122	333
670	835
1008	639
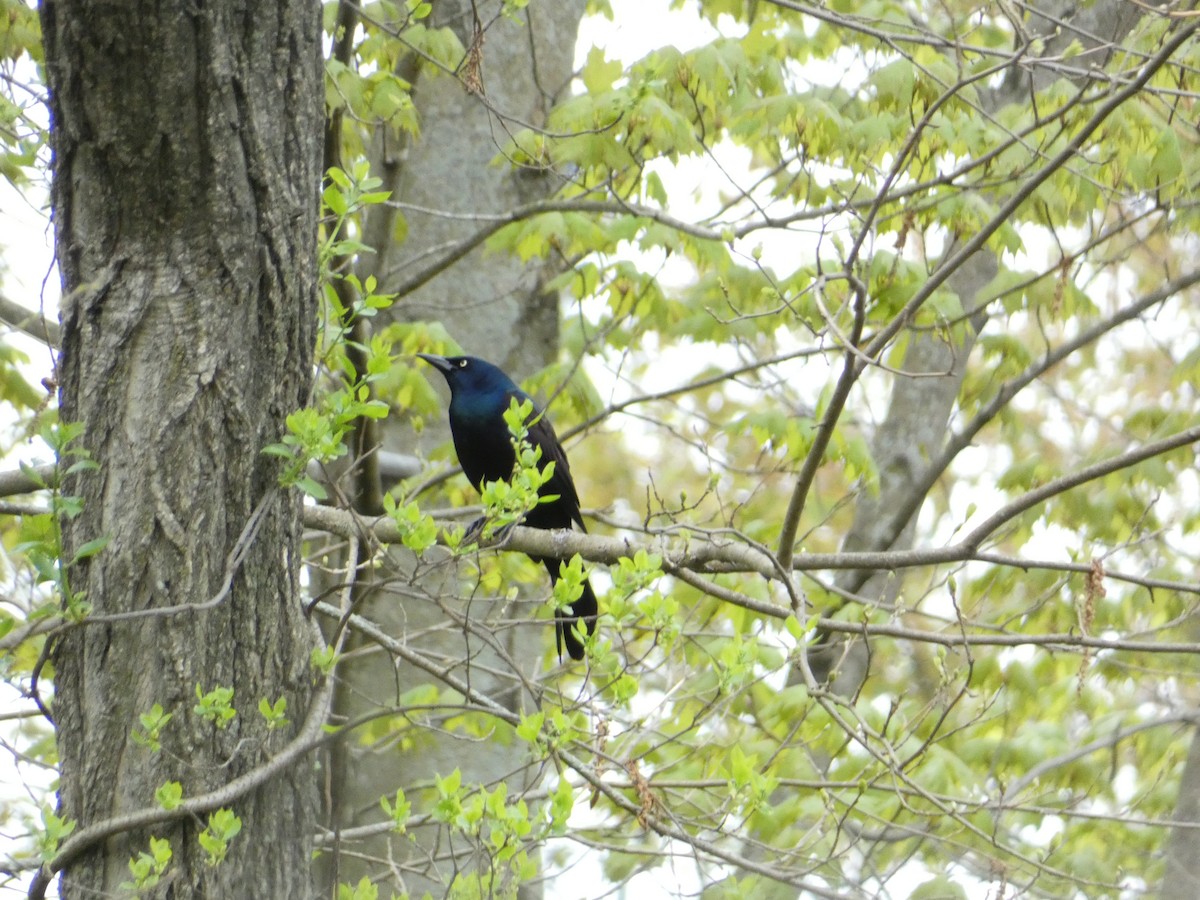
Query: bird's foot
474	532
499	534
484	531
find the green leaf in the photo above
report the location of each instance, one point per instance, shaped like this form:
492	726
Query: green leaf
169	795
941	887
54	831
89	549
223	827
398	811
274	713
335	201
598	73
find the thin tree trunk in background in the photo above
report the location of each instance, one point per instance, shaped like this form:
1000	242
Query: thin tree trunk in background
920	409
495	306
920	412
913	432
1182	878
186	181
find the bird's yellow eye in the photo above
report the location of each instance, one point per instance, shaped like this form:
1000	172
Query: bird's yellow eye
462	363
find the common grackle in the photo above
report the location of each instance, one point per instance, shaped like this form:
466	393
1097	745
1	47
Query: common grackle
480	394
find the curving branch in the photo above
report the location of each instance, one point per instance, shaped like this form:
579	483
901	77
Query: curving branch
693	555
310	736
1108	743
961	440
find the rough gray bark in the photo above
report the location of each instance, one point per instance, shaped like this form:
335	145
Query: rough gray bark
186	180
494	307
1181	881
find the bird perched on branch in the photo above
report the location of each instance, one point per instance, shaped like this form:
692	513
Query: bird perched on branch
480	394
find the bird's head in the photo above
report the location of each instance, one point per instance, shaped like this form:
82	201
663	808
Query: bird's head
469	375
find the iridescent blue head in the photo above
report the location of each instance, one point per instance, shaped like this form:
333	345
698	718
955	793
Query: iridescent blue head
476	386
470	374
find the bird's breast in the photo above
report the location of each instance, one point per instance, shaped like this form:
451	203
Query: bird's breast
484	447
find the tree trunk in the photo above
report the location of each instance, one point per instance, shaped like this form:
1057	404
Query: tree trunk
920	408
186	181
495	307
918	417
1182	878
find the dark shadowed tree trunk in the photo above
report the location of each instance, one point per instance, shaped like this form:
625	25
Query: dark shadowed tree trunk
186	179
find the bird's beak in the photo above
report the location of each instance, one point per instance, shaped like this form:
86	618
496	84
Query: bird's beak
438	362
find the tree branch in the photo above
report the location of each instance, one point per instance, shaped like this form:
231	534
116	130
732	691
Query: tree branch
962	439
27	480
730	556
32	323
309	737
1019	196
1061	485
816	453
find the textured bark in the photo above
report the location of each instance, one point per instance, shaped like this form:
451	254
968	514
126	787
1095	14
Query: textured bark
494	307
1182	878
186	178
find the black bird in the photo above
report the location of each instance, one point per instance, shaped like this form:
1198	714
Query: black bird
480	394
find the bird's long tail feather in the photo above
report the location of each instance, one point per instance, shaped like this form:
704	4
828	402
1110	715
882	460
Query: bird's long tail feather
585	608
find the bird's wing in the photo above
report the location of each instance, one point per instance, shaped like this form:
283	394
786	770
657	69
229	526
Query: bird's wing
541	434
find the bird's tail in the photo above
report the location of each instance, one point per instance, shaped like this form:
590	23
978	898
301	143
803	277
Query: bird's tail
585	608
